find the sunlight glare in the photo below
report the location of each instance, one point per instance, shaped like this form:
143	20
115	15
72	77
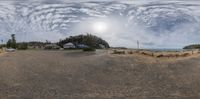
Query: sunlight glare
100	27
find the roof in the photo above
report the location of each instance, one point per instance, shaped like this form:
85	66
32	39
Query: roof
69	44
81	45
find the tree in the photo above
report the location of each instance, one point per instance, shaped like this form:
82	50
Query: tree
12	42
8	45
22	46
89	40
194	46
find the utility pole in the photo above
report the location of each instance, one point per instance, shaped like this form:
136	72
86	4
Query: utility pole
138	44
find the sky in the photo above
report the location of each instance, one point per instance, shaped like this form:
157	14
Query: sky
154	23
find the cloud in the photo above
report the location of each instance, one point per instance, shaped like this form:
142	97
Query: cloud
155	23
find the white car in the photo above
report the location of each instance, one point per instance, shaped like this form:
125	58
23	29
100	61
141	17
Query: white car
10	50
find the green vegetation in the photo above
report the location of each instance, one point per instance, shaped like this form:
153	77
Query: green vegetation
194	46
89	40
12	42
86	42
89	49
36	43
51	47
22	46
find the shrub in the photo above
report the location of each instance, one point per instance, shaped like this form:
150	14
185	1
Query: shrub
185	55
89	49
130	52
48	47
159	56
119	52
22	46
51	47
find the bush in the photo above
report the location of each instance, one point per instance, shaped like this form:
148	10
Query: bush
48	48
22	46
51	47
119	52
130	52
89	49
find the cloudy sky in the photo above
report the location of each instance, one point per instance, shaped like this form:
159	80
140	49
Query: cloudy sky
154	23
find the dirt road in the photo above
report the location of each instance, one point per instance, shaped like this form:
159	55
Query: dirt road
79	75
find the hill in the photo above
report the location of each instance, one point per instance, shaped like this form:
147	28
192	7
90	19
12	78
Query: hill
88	39
194	46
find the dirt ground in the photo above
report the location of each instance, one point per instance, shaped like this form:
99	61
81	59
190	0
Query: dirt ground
96	75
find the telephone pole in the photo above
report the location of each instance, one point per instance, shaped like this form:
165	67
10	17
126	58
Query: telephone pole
138	44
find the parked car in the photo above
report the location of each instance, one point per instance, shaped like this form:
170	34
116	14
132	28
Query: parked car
10	50
82	46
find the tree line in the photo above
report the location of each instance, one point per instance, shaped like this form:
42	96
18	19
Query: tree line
88	39
194	46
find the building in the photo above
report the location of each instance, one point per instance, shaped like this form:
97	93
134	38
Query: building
69	46
102	46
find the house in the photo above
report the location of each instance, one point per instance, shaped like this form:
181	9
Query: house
81	46
102	46
69	46
52	46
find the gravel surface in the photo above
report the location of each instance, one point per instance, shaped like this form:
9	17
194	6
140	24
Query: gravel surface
96	75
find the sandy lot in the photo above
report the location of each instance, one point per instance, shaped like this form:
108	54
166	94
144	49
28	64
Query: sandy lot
80	75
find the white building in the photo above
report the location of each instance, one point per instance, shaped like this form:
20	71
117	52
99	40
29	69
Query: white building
69	45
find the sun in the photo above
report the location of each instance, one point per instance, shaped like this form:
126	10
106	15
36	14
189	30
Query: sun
100	27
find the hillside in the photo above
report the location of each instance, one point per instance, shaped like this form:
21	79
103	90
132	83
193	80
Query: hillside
195	46
89	40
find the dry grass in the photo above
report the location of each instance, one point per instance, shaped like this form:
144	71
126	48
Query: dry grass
163	54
